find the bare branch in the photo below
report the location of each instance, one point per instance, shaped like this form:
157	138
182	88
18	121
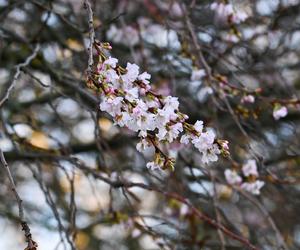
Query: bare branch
18	72
32	245
88	7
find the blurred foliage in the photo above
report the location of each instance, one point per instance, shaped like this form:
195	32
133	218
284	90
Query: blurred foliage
72	164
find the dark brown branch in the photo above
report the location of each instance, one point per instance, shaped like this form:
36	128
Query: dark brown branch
88	7
32	245
18	72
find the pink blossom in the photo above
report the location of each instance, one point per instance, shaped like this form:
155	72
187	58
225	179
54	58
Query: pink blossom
144	77
112	62
232	177
112	77
132	71
231	38
112	105
239	17
142	114
248	98
143	145
250	168
204	141
171	133
224	11
280	112
132	94
131	75
210	154
198	126
185	139
184	210
152	166
253	187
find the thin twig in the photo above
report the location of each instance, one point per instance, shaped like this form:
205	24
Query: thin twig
13	185
88	7
280	241
32	245
217	212
18	72
200	215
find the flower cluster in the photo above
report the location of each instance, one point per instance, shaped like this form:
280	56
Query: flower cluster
226	12
128	98
249	170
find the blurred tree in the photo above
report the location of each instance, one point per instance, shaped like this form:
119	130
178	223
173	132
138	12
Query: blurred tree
94	156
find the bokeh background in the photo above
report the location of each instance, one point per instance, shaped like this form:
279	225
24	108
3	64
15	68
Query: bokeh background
61	148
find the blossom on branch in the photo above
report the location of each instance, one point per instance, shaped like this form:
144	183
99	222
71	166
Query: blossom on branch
128	98
250	182
226	12
250	168
253	187
232	177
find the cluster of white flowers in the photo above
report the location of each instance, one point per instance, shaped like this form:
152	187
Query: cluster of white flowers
203	141
248	99
226	12
129	100
279	112
249	170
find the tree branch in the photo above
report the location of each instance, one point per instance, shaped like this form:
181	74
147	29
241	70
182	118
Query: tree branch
88	7
32	245
18	72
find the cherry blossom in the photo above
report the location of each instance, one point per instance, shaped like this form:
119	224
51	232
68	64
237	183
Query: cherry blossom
232	177
279	112
239	17
184	210
222	9
111	62
129	100
204	141
112	105
253	187
250	168
251	183
233	38
226	12
210	154
152	165
248	99
144	77
132	94
112	77
143	145
131	75
170	133
186	138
